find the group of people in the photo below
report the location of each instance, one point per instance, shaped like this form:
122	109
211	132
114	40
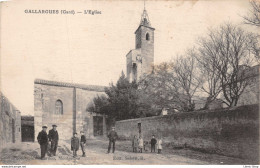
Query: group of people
138	143
75	143
44	139
53	137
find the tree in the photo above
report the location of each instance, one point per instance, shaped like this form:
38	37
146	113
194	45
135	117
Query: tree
122	98
225	56
187	79
208	61
253	17
100	105
158	88
122	101
173	85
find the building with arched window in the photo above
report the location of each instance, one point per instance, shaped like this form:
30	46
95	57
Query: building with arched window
66	104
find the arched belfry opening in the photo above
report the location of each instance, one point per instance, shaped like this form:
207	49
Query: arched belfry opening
147	37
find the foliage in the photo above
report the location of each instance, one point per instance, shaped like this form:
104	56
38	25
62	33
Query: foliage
123	101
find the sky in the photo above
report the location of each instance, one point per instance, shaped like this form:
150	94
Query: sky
91	49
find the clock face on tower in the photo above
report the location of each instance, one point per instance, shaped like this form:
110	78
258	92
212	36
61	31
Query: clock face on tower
138	58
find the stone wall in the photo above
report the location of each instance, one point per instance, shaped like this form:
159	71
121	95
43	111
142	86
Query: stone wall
74	97
45	97
231	132
131	59
84	117
10	122
251	93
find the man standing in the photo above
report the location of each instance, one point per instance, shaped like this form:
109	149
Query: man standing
112	136
83	143
43	141
153	143
53	138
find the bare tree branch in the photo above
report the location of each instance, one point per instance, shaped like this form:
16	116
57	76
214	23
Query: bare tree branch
253	18
224	56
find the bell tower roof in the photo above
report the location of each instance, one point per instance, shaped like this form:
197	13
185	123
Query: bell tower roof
145	21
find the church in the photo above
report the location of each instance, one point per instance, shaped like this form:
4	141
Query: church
66	104
140	60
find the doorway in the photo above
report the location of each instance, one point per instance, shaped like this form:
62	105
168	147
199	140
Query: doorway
98	125
13	131
27	124
27	133
139	129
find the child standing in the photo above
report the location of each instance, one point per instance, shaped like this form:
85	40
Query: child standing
83	143
135	144
74	144
141	144
159	146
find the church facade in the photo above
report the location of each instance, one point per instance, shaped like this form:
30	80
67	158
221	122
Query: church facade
66	105
140	60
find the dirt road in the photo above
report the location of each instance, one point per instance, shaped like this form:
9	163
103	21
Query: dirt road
28	153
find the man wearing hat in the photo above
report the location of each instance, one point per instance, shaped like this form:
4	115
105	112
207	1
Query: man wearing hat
112	136
43	141
53	138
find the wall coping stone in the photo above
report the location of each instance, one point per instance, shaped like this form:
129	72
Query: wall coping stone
215	112
70	85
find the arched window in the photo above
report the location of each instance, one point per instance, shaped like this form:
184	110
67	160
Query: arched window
58	107
147	36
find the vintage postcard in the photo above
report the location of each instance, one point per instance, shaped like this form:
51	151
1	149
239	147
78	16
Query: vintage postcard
120	82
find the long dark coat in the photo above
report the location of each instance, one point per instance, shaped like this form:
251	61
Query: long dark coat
75	143
112	136
53	135
42	138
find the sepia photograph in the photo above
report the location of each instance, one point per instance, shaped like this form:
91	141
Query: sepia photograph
121	82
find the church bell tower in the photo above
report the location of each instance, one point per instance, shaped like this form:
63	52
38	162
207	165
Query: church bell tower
141	59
